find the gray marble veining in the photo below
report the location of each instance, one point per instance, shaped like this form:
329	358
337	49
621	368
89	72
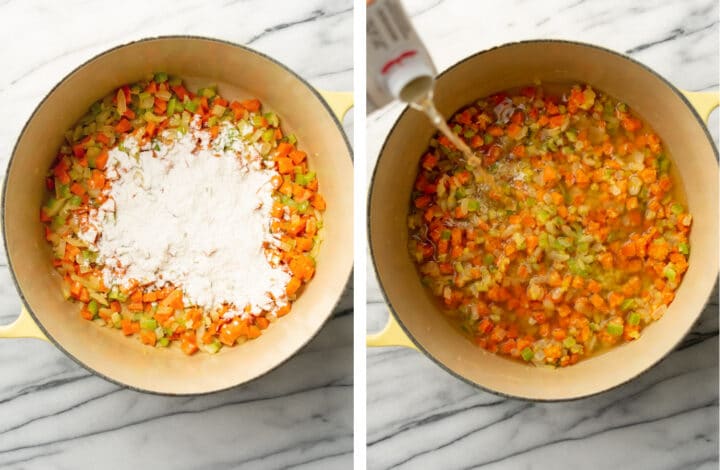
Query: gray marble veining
421	417
55	414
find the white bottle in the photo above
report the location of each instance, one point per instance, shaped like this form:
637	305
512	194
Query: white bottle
398	65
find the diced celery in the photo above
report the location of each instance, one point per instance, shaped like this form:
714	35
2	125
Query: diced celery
614	329
569	342
213	347
272	119
519	240
633	319
684	248
663	164
488	139
171	106
543	241
63	191
93	307
161	77
473	205
116	294
217	110
676	209
302	207
53	206
575	268
208	92
527	354
75	201
669	272
191	105
543	216
268	135
148	323
58	222
445	235
174	81
163	342
627	304
305	179
488	258
292	140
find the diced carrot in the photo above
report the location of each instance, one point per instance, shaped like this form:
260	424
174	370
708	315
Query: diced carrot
97	180
123	126
304	243
550	176
129	327
557	121
615	299
318	202
284	310
85	313
174	299
606	260
298	156
283	150
77	189
148	337
293	286
495	131
253	332
285	165
188	347
598	301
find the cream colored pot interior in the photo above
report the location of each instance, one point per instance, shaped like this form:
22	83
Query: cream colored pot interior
516	65
240	74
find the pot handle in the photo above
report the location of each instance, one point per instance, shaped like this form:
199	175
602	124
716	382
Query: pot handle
340	102
23	327
703	102
391	335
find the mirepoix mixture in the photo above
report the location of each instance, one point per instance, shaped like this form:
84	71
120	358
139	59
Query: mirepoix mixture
181	217
581	246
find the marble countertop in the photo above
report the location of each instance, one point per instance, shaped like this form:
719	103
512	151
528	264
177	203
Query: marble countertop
55	414
421	417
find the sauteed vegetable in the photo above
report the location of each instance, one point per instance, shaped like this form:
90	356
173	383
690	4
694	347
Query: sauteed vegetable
152	112
592	245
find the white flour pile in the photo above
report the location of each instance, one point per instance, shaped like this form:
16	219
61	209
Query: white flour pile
194	214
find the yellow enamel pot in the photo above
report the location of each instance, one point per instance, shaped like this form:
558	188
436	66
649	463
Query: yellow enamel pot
239	73
416	320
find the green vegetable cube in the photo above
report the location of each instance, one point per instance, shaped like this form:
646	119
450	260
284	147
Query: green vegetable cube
614	329
527	354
